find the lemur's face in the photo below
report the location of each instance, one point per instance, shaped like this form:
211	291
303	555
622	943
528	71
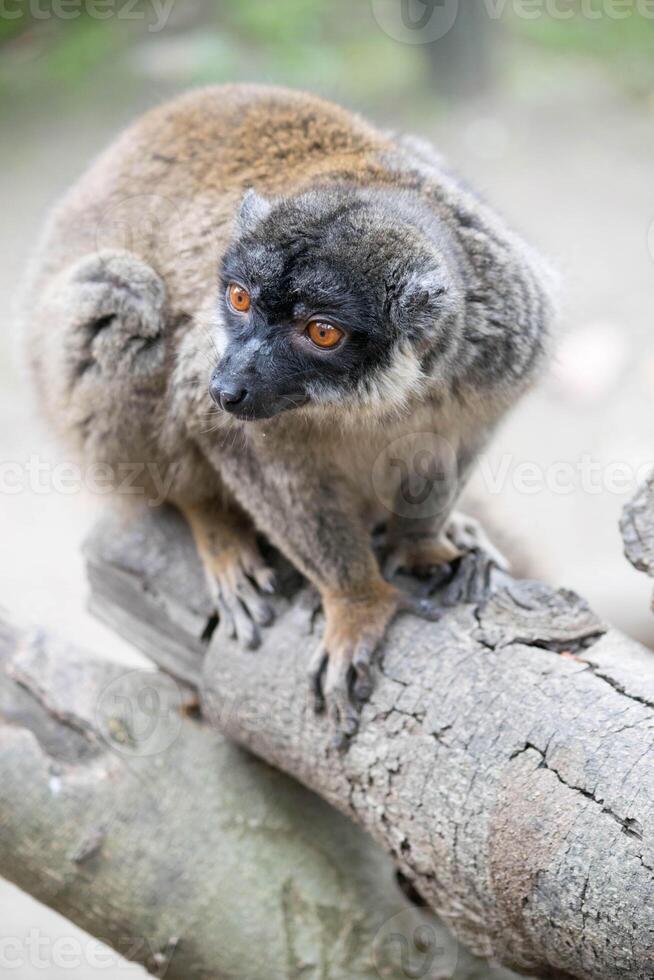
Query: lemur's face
326	300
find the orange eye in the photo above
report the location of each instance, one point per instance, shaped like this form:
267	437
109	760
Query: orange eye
239	298
323	334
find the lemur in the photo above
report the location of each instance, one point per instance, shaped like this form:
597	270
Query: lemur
260	292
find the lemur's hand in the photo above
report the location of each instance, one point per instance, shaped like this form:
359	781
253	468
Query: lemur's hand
237	578
462	540
236	573
341	667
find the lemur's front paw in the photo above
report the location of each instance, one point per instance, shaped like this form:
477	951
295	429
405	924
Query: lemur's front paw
237	577
340	670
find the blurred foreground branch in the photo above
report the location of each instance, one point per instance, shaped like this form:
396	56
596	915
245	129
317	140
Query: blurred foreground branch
503	759
181	851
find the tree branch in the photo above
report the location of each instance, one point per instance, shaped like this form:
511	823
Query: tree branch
504	759
182	852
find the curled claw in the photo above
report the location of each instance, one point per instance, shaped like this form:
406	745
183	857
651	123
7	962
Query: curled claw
317	668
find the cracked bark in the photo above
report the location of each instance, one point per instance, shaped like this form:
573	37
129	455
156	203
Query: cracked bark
177	848
504	759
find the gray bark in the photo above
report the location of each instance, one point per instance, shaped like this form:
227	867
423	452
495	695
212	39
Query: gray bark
126	814
504	759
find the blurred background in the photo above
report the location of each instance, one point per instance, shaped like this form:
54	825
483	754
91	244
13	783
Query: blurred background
547	107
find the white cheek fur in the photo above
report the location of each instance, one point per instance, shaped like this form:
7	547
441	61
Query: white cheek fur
219	335
388	393
395	386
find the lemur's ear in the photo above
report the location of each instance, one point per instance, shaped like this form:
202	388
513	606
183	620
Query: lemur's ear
431	290
424	294
252	210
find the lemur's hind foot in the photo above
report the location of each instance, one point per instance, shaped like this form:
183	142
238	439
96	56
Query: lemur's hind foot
481	564
460	560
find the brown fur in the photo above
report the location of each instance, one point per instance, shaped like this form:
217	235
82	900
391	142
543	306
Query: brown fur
119	315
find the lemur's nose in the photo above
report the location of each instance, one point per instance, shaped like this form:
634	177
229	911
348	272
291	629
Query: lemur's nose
231	397
227	395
